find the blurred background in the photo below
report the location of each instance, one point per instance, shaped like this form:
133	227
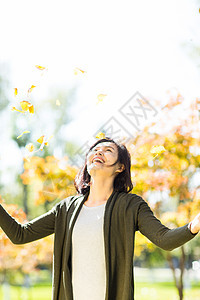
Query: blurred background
70	71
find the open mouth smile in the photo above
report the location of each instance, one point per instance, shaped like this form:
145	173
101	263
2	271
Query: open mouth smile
98	159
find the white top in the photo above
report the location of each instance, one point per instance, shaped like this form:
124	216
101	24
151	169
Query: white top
88	257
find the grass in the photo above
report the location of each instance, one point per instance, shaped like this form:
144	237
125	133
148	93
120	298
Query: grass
164	291
33	293
143	291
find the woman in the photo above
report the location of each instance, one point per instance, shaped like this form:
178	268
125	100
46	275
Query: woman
94	230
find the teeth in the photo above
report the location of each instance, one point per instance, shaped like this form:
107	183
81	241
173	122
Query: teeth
98	160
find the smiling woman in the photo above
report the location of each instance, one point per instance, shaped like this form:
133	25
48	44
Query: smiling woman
114	156
95	229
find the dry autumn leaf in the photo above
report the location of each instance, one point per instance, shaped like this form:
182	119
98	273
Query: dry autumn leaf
31	88
30	147
101	97
40	67
15	91
26	131
26	106
31	109
78	71
43	141
15	109
100	135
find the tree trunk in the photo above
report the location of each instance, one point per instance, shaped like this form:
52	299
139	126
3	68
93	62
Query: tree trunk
25	199
178	279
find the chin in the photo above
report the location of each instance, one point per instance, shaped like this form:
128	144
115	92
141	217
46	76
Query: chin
92	168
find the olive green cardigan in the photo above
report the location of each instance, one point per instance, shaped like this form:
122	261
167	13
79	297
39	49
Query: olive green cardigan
124	214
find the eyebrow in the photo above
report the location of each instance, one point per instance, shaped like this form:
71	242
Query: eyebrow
106	147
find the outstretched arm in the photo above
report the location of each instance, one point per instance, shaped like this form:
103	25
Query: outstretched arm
31	231
160	235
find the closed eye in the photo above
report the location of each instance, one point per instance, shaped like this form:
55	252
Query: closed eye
106	150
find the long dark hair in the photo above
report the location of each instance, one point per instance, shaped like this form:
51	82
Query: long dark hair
122	181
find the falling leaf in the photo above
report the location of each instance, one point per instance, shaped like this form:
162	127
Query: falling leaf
40	67
58	102
101	97
15	109
25	105
15	91
157	149
41	139
44	141
78	71
31	88
30	147
31	109
26	131
100	135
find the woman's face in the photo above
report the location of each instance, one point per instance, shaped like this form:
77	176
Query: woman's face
103	156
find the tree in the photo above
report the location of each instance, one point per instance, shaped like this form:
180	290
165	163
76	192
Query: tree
172	172
24	258
49	179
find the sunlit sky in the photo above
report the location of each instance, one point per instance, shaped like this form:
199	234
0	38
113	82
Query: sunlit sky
124	46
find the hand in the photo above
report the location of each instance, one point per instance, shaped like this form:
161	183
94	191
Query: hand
195	224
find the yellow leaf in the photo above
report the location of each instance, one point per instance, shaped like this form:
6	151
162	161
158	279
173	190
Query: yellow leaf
41	139
100	135
30	147
31	109
15	109
78	71
101	97
58	102
25	105
15	91
31	88
26	131
40	67
157	149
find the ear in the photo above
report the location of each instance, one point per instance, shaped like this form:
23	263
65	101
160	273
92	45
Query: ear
120	169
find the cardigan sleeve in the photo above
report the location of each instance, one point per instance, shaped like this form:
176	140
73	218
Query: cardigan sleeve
157	233
24	233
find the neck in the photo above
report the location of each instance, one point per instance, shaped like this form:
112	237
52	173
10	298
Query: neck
100	191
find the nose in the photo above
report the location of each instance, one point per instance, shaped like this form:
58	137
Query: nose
99	151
